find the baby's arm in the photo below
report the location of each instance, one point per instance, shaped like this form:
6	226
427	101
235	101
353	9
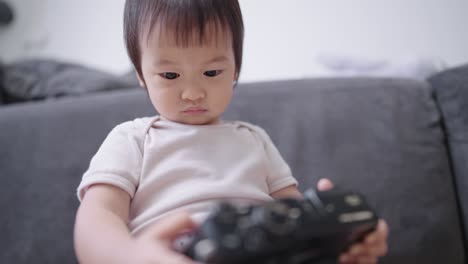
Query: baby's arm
287	192
293	192
102	235
100	229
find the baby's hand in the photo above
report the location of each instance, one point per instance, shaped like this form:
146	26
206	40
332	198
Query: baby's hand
373	246
368	251
155	244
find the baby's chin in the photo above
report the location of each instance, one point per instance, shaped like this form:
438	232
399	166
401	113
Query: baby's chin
194	120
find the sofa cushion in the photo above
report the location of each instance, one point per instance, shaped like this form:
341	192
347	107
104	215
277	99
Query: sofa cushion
37	79
451	92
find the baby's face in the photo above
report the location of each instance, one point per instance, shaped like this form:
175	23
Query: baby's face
190	85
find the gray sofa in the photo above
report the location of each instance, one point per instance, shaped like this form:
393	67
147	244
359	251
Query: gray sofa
387	138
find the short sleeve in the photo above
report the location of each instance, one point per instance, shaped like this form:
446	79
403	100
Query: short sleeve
118	160
280	175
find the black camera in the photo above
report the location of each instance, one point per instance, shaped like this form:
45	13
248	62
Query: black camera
315	229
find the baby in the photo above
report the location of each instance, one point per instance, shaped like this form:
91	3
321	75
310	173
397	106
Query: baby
155	178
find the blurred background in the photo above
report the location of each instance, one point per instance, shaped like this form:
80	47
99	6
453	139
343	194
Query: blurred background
284	39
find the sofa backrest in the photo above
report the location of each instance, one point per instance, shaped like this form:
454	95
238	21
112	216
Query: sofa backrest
451	93
382	137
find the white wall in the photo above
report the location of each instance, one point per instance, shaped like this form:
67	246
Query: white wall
84	31
283	37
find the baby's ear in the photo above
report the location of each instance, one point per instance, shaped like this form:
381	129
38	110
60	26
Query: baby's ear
140	80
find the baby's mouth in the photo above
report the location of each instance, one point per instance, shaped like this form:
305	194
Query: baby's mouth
195	110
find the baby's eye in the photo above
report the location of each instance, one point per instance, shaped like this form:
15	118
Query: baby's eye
169	75
213	73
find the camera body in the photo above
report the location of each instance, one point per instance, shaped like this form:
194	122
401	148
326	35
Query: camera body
315	229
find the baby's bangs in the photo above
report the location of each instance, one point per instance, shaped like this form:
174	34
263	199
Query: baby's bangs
186	22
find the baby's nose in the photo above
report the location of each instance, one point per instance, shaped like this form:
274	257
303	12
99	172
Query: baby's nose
193	94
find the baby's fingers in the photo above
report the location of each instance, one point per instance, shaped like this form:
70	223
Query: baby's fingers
350	259
366	260
171	226
376	243
377	250
379	235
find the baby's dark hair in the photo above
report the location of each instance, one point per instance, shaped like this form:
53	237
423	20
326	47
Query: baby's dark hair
183	18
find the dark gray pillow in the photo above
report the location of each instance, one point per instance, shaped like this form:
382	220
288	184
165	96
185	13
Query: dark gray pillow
37	79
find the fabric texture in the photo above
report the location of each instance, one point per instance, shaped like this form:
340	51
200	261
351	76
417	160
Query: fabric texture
451	92
187	167
38	79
